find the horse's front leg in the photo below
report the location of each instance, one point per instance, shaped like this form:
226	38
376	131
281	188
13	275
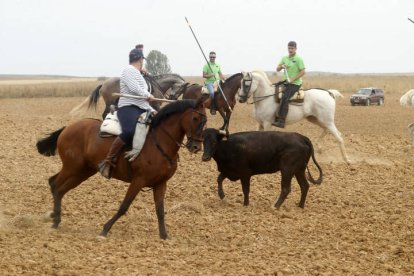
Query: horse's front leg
132	192
159	195
225	119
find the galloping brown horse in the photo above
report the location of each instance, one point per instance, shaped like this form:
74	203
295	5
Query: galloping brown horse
81	149
229	87
159	84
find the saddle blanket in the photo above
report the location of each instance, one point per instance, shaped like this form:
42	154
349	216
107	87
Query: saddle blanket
112	126
297	97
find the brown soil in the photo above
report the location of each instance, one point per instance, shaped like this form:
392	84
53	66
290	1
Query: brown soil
358	222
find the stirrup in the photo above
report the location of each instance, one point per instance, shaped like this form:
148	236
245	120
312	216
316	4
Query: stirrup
102	166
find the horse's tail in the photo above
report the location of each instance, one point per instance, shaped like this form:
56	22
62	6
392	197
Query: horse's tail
335	93
91	100
47	146
310	178
94	97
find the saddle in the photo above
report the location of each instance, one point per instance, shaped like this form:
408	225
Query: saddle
111	127
298	97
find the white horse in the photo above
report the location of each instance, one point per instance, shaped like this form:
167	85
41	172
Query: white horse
406	100
318	106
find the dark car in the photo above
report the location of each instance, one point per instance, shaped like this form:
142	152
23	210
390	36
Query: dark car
368	96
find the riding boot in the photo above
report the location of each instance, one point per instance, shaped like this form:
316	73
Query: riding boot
105	167
213	106
283	111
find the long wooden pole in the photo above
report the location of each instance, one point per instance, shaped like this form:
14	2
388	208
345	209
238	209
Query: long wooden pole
202	52
142	97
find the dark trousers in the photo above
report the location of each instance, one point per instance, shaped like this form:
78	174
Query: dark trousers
284	103
128	116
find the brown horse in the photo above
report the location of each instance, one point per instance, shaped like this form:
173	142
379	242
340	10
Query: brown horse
229	87
81	149
159	85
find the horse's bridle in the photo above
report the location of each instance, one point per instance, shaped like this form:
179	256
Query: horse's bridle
200	127
190	137
246	86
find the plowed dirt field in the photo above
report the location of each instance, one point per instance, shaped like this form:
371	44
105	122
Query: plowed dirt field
359	221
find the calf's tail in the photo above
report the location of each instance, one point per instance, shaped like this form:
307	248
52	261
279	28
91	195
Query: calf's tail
47	146
310	178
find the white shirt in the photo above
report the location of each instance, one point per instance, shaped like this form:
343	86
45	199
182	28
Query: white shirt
133	83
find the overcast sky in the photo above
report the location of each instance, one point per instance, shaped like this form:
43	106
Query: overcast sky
93	37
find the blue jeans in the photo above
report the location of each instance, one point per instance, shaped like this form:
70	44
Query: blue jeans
210	88
128	116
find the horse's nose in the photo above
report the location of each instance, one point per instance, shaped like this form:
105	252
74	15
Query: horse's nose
196	149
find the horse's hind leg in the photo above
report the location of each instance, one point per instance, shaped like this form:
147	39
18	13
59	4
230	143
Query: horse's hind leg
132	192
60	184
338	136
304	187
319	140
159	195
52	184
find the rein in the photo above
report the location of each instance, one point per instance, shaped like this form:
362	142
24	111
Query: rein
180	145
261	98
163	153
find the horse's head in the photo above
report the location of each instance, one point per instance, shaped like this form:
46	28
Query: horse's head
177	90
194	123
248	85
232	83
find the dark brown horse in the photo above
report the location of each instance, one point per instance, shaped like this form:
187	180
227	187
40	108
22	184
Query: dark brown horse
229	87
81	149
159	85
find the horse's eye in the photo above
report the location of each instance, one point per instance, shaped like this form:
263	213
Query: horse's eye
195	119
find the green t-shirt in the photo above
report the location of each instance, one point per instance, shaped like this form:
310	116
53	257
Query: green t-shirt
216	69
294	65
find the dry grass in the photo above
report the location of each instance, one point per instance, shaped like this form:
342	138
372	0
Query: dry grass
73	87
37	88
349	83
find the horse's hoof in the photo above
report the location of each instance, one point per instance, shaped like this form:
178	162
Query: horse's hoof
164	237
48	216
55	226
100	237
222	131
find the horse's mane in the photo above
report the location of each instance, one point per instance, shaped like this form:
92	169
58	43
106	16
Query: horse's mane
178	106
263	75
406	99
229	79
233	76
156	77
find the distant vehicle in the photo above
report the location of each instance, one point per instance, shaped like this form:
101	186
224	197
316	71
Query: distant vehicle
368	96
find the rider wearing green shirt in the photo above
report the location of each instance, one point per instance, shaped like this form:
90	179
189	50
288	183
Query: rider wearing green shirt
212	73
295	69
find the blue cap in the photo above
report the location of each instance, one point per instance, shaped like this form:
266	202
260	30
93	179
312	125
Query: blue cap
136	54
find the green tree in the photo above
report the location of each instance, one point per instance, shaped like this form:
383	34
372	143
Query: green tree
157	63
